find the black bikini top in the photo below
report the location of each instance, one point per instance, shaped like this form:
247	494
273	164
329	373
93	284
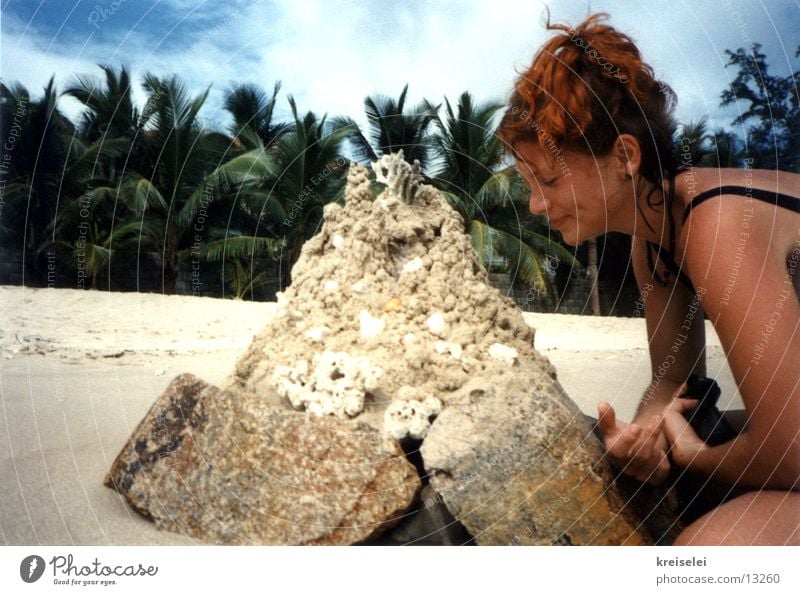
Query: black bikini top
667	256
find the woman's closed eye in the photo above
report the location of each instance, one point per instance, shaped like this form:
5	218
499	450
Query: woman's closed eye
549	182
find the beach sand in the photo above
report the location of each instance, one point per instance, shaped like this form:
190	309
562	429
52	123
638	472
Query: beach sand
79	370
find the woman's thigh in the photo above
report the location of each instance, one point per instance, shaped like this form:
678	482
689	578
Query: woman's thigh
769	517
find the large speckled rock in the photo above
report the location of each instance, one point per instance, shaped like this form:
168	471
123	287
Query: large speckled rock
229	470
523	467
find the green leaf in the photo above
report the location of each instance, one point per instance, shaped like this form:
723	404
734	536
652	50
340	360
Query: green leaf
524	262
482	237
252	167
138	194
545	245
240	247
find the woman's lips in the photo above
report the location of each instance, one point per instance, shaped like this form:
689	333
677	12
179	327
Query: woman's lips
557	222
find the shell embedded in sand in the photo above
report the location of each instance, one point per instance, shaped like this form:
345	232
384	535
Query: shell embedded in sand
436	323
392	305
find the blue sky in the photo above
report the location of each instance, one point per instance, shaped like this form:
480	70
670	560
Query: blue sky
330	54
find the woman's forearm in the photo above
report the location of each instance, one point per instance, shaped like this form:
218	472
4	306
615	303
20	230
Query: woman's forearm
736	462
655	399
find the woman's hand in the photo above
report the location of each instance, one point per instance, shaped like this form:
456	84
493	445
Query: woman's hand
684	443
633	447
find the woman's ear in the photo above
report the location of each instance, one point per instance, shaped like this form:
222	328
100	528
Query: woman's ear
627	156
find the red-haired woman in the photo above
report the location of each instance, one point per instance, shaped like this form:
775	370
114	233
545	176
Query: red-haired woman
591	130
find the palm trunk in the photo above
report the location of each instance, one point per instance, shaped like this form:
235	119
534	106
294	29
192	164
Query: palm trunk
595	290
286	267
170	265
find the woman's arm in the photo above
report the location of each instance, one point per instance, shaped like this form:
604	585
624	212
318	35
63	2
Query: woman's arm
757	317
675	335
676	341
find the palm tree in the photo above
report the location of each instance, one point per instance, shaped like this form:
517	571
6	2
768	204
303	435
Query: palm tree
36	174
253	112
724	151
111	112
692	143
85	230
594	277
251	229
188	183
391	129
491	198
311	173
111	115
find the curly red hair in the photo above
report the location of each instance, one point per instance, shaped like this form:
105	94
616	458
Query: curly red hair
585	87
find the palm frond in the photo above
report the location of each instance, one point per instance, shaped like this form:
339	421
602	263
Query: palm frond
138	194
544	245
503	188
100	152
464	206
232	248
524	263
362	149
252	167
482	238
134	232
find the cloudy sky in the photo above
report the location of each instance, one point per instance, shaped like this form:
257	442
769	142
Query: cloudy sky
330	54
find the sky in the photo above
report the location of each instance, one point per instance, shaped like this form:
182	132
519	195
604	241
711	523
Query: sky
331	54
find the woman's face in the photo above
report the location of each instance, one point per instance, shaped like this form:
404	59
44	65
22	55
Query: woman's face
569	188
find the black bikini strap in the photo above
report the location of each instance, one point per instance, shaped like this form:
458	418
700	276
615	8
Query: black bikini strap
782	200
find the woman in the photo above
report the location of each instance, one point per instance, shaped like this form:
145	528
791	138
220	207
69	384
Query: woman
591	130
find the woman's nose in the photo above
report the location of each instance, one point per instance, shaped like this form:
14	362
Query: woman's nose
536	205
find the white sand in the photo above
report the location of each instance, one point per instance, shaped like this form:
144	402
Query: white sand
79	369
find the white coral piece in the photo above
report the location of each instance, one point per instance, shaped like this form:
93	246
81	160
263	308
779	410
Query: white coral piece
334	384
413	265
410	418
338	241
370	326
453	349
436	323
315	334
402	180
330	286
503	352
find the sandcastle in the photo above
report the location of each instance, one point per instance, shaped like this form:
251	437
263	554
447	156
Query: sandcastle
396	397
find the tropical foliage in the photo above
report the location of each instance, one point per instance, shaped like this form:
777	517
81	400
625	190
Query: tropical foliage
153	188
769	110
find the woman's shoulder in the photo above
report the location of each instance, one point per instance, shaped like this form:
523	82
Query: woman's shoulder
697	185
732	200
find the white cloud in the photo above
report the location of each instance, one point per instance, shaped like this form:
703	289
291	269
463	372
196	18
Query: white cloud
331	54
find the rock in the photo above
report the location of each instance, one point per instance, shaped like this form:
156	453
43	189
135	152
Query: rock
523	467
228	470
